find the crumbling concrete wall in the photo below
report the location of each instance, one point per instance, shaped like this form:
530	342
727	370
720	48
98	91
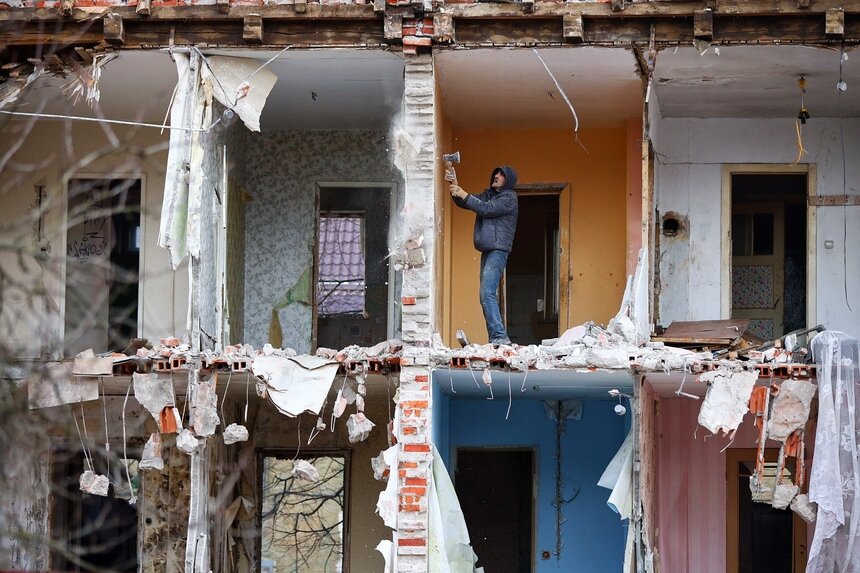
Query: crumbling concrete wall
688	180
281	173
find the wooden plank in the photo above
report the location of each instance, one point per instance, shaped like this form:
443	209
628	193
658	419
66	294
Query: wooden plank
833	200
113	29
252	29
144	7
703	24
834	23
722	332
572	27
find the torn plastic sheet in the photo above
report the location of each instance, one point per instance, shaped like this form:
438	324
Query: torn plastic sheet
93	483
296	384
618	477
153	393
790	409
236	88
151	459
172	233
386	548
727	399
449	547
54	385
386	505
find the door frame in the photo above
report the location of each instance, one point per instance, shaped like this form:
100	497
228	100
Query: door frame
730	169
798	532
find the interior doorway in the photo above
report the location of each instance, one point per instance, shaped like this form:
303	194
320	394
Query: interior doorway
759	538
495	490
769	251
351	270
532	286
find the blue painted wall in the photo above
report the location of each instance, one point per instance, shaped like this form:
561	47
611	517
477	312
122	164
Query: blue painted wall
593	534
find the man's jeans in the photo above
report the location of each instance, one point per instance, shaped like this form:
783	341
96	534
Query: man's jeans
492	266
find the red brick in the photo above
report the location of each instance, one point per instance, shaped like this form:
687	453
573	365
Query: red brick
416	448
416	481
422	378
417	41
409	300
414	404
409	430
411	508
412	542
412	465
419	491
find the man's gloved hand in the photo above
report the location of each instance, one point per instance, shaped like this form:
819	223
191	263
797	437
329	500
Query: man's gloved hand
457	191
451	175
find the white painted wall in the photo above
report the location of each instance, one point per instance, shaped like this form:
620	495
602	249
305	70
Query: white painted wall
48	153
690	154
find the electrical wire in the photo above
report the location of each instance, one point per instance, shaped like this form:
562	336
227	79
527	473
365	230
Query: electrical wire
110	121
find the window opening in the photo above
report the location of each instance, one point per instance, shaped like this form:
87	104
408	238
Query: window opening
303	522
341	274
103	241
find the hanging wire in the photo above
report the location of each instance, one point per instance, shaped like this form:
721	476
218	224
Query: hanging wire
110	121
107	438
840	86
81	438
133	499
510	396
224	399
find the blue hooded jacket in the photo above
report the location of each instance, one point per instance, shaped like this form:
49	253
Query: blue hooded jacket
496	213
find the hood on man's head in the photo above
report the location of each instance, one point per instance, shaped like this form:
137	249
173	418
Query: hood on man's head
509	173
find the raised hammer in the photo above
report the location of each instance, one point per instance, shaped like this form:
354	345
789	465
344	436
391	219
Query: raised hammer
450	159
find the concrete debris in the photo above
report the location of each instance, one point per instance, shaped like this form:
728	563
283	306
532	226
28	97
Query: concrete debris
204	409
186	441
727	399
54	385
783	494
380	468
88	364
93	483
151	459
304	470
153	393
790	409
235	433
803	507
358	427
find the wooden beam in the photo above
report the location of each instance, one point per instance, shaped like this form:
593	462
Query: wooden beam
443	28
703	24
301	6
252	29
572	27
393	29
114	30
144	7
834	22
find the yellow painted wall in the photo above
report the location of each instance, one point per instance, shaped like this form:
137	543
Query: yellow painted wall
597	219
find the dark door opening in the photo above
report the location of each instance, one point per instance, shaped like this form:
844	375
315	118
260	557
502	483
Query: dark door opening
495	492
769	252
760	539
352	273
103	264
91	533
532	277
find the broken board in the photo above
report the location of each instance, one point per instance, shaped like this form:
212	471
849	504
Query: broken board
704	332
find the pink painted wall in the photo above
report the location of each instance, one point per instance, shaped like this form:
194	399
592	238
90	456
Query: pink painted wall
691	487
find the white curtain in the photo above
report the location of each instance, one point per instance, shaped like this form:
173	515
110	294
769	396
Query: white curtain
835	481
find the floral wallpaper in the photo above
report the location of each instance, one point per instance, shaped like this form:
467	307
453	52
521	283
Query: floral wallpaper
752	287
280	173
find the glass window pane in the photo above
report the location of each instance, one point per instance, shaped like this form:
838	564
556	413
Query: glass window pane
341	270
302	522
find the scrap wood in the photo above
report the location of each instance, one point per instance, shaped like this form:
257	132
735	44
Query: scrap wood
704	332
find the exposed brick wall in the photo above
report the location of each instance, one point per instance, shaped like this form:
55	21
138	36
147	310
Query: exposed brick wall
414	471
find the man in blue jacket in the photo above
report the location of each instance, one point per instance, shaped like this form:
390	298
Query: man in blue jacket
495	224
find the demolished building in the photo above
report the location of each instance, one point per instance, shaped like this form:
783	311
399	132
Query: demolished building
245	202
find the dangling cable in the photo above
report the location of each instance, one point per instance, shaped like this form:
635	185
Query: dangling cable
133	499
107	437
81	438
510	396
